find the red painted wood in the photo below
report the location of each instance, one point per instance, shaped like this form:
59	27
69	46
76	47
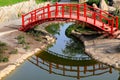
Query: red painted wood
23	21
117	22
63	11
48	6
78	10
82	12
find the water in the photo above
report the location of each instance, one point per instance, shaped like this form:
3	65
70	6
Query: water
45	66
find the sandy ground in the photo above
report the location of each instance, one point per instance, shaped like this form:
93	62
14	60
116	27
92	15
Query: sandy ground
8	33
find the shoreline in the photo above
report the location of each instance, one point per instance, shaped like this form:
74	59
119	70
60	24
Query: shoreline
22	55
105	51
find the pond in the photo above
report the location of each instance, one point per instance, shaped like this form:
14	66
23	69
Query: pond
47	66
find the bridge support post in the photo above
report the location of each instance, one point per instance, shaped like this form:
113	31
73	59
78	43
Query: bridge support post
35	15
23	24
48	7
100	15
112	27
117	23
78	10
85	10
70	10
94	18
62	11
56	11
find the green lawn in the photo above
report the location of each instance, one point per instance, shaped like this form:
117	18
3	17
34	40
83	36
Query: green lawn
9	2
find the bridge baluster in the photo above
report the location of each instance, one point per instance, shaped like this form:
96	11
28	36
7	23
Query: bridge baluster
70	10
94	18
48	7
112	26
85	10
63	11
56	11
100	16
23	22
117	22
78	10
43	14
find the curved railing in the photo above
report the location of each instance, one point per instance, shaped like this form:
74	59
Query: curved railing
61	12
68	57
65	70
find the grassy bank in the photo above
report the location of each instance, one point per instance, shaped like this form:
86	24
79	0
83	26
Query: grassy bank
9	2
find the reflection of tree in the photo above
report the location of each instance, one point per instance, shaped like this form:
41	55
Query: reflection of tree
53	28
73	47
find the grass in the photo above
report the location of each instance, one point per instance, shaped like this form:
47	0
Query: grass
9	2
40	1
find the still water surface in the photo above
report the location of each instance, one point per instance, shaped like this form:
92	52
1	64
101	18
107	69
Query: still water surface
45	66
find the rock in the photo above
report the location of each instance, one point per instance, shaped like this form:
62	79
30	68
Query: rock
95	6
111	9
103	5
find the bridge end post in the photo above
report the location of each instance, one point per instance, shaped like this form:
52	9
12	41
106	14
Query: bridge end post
23	24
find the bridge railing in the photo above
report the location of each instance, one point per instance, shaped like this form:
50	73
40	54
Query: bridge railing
64	70
68	57
72	11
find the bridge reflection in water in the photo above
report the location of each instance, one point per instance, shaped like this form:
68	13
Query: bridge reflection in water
77	70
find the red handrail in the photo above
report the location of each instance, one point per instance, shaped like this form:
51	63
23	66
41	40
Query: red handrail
74	11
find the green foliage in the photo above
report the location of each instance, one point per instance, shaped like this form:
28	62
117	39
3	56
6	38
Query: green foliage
40	1
3	47
9	2
34	33
73	47
21	39
53	28
27	47
3	58
14	51
90	2
77	27
54	1
97	2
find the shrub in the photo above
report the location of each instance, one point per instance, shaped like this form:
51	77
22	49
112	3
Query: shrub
3	47
14	51
21	39
27	47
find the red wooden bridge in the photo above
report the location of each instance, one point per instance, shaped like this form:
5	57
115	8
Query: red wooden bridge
99	19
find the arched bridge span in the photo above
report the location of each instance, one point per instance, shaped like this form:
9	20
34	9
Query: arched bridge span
62	12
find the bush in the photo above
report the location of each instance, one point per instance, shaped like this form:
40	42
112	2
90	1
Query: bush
27	47
21	39
14	51
3	58
3	47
